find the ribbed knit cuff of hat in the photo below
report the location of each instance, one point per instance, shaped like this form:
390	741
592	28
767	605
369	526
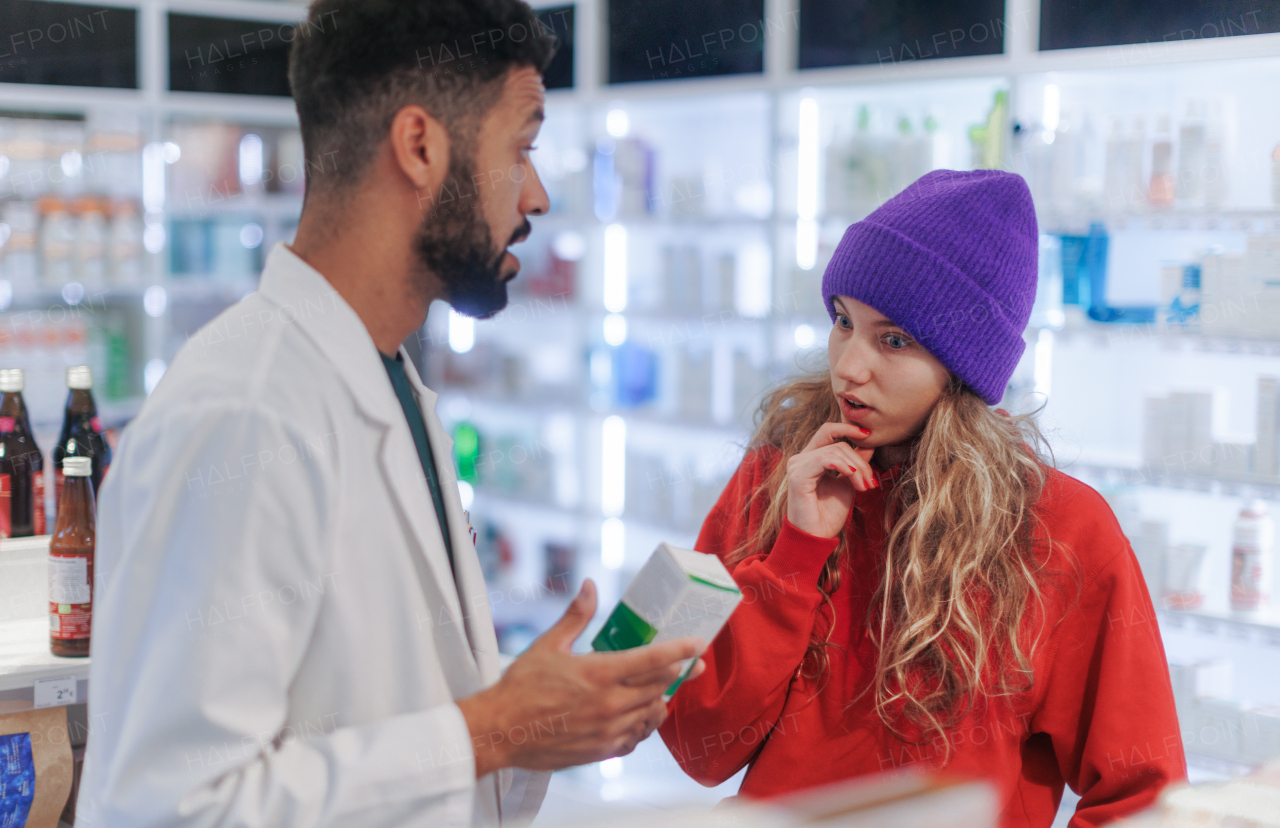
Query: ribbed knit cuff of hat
962	325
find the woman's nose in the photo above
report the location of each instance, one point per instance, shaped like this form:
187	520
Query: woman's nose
854	361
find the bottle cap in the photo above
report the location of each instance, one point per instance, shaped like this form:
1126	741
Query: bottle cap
77	466
79	377
11	379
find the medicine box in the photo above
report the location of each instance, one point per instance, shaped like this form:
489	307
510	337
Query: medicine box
677	593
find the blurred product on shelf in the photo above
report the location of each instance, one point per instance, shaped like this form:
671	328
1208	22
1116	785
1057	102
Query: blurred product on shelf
222	163
45	348
682	277
495	551
36	773
675	490
1084	267
20	237
466	450
81	434
562	563
514	463
1180	297
988	140
69	193
1047	311
1241	293
71	549
229	246
1266	452
1179	429
870	166
1161	189
1252	559
22	500
1183	576
1070	168
623	179
1275	176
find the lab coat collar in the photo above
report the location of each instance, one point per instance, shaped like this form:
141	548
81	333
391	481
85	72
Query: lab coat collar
470	579
307	299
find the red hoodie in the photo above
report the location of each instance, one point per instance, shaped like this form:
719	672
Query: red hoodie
1099	715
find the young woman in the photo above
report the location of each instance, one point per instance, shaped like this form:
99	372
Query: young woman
921	587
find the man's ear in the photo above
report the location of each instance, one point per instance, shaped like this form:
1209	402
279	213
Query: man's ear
420	148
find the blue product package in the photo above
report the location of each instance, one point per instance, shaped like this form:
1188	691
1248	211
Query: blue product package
17	779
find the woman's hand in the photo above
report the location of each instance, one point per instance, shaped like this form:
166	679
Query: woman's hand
822	478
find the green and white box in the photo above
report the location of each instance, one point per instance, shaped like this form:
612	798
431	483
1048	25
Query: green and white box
677	593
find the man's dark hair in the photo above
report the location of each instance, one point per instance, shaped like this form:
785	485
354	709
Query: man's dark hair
355	63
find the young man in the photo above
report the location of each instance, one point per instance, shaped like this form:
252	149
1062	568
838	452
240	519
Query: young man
291	625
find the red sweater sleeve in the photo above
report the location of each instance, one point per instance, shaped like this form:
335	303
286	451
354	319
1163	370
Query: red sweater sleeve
1108	705
716	722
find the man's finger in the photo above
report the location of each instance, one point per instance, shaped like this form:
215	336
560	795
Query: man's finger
575	619
616	666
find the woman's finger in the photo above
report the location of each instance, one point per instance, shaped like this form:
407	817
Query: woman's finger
832	460
846	456
829	433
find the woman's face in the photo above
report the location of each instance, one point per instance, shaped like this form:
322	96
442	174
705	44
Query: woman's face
876	363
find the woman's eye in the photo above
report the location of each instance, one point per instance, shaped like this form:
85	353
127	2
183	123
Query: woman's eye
843	321
897	342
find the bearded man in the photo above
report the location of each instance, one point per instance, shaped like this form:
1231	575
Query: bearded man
291	626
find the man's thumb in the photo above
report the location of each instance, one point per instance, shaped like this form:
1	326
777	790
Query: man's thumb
575	619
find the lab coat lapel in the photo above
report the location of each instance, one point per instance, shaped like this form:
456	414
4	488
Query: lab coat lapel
306	299
470	578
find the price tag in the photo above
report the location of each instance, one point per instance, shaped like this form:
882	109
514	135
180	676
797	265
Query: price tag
55	692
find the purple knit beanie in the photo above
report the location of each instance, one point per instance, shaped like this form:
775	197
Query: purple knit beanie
953	260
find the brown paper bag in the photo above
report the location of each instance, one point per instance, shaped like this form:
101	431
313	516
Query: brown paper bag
51	756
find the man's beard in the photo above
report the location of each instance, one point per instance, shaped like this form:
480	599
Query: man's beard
454	243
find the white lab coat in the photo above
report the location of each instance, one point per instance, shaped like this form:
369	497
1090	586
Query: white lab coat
277	636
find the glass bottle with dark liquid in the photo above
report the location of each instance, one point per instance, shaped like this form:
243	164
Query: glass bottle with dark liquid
21	463
71	562
81	431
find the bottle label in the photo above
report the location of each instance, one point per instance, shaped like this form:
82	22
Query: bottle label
6	425
6	501
70	599
39	526
96	425
68	579
1249	590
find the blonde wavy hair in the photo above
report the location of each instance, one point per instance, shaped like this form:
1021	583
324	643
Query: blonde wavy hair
963	565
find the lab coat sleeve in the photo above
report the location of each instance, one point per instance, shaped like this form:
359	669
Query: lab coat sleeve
522	790
213	560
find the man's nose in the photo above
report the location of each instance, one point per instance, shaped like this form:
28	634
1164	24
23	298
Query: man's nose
533	196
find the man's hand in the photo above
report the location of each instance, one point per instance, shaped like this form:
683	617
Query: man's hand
552	709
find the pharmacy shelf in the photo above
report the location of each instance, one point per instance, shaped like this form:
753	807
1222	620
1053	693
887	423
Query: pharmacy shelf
497	499
24	631
1175	339
1249	486
1263	629
25	657
547	407
177	288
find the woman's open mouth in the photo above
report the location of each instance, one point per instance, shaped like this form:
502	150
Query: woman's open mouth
854	411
